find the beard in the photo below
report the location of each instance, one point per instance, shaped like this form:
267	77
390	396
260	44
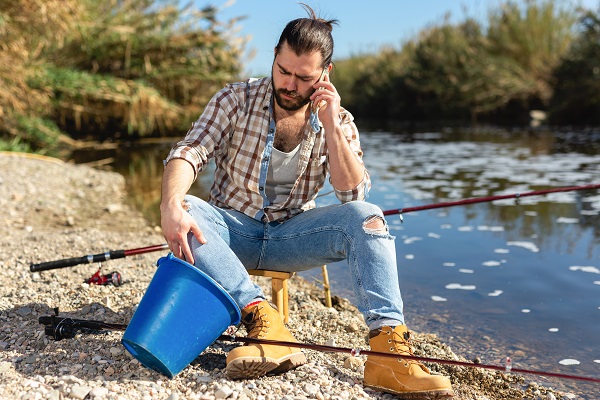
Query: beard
296	103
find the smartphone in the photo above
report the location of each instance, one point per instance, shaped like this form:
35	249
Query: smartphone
321	79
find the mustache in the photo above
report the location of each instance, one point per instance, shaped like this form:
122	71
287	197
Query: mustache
289	93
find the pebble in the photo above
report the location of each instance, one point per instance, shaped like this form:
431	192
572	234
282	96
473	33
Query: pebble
66	210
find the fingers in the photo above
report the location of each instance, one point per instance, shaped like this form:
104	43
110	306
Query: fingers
198	234
187	253
179	245
181	250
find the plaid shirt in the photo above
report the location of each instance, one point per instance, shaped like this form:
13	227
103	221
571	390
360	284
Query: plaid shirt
237	130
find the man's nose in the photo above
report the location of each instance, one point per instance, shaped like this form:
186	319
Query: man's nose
291	84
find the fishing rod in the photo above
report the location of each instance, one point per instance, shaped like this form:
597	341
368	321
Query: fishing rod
111	255
59	328
488	199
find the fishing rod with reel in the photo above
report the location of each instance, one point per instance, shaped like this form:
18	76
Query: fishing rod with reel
59	328
98	278
115	254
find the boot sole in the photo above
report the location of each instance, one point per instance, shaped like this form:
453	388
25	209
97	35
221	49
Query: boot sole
254	367
428	395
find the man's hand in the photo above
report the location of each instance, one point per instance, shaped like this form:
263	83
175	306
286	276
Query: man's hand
328	99
176	223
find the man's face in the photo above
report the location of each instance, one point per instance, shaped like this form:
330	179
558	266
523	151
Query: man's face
294	77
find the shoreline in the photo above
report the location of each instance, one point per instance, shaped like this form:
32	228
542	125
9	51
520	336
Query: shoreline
54	210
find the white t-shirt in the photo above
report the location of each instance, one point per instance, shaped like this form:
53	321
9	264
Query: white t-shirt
282	174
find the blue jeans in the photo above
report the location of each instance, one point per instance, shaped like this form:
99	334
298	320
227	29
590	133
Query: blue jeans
236	242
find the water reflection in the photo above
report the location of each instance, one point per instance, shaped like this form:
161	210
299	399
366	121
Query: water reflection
496	279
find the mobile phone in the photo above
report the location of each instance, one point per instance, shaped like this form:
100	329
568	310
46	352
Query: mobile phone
321	79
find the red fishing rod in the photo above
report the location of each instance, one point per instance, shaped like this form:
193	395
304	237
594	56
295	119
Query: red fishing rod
59	328
488	199
111	255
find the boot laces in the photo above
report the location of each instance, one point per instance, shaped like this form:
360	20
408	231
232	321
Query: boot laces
402	344
257	323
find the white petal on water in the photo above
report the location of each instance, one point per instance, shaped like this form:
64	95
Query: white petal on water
565	220
590	269
496	293
438	298
410	256
412	239
590	212
565	198
446	226
596	282
526	311
502	251
597	361
449	264
525	245
569	361
491	263
433	235
490	228
553	330
591	199
465	228
531	213
466	271
461	287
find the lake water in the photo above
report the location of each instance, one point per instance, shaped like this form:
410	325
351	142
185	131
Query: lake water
494	279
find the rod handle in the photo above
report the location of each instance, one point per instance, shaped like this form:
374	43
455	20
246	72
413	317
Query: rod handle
69	262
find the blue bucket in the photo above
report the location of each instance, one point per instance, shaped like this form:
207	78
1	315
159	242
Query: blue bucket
182	312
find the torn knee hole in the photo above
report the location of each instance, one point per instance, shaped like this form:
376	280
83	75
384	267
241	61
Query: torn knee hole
375	224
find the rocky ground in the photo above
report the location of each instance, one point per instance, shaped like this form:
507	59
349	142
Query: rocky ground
52	210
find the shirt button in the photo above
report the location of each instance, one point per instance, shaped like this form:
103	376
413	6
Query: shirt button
271	130
261	188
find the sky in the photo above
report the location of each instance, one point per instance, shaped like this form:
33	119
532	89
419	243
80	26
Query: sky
364	26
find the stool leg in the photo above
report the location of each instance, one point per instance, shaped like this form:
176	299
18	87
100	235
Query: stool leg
326	286
286	315
277	295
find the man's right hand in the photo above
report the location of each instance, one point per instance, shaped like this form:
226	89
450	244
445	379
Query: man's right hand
176	223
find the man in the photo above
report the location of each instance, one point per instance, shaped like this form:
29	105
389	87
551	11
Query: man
274	141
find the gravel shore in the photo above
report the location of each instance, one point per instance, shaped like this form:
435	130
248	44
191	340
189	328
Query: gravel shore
52	210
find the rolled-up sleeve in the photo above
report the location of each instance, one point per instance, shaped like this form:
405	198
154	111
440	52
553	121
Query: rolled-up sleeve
206	134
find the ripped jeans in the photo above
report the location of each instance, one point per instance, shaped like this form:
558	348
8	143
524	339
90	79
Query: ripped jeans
354	231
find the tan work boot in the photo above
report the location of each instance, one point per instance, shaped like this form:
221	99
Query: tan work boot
407	379
250	361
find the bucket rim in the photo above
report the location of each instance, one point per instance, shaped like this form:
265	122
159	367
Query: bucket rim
238	314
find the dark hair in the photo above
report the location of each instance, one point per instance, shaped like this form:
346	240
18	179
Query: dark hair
305	35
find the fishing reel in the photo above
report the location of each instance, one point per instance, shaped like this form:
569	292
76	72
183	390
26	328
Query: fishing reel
58	328
113	278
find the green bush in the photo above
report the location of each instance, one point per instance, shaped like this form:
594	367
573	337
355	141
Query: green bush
576	98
